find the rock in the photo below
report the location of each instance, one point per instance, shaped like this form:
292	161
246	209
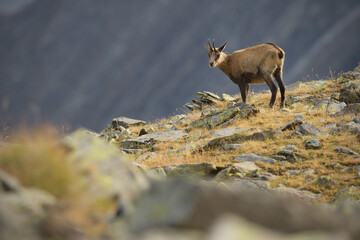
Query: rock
233	227
312	143
192	107
126	122
150	139
292	172
356	120
350	93
179	119
111	172
156	173
226	97
253	158
334	108
278	157
226	132
195	170
302	194
298	120
347	194
290	147
178	203
345	151
352	127
8	183
208	97
309	129
145	156
143	131
251	184
290	155
325	181
332	128
351	109
221	116
230	147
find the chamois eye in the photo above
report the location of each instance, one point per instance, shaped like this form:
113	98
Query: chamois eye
217	56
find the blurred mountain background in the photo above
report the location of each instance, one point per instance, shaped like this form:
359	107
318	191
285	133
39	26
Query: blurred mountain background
84	62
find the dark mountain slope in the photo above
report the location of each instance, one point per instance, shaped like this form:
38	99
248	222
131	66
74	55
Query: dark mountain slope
84	62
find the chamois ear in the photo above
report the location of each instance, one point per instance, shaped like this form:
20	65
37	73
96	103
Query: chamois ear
222	47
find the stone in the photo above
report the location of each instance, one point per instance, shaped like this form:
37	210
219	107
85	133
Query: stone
351	109
351	194
180	119
126	122
230	147
298	120
350	92
312	143
290	147
345	151
309	129
208	97
356	120
143	131
192	107
178	203
226	132
292	172
352	127
290	155
254	158
302	194
334	108
239	110
145	156
112	173
148	140
226	97
251	184
194	170
325	181
278	157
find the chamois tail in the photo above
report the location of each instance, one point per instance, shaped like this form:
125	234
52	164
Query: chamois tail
281	52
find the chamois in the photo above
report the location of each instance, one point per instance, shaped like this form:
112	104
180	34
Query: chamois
253	65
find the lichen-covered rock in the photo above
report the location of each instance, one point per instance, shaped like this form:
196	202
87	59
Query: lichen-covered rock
180	119
302	194
226	97
239	110
325	181
290	155
236	170
232	146
353	108
251	184
350	93
253	158
148	140
309	129
298	120
208	97
312	143
195	170
347	194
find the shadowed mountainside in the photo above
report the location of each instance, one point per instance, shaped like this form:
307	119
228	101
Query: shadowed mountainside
63	61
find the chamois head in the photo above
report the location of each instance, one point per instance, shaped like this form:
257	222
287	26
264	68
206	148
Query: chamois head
215	54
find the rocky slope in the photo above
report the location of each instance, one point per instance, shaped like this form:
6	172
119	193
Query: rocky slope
225	170
60	62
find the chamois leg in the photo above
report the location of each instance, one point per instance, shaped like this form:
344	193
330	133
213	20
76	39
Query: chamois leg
279	79
243	90
273	90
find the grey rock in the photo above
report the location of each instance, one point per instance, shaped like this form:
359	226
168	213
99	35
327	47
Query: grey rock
334	108
292	172
290	155
229	147
308	172
192	107
179	119
345	151
278	157
195	170
251	184
309	129
298	120
352	127
325	181
332	128
126	122
302	194
312	143
254	158
226	132
145	156
226	97
150	139
208	97
290	147
143	131
179	203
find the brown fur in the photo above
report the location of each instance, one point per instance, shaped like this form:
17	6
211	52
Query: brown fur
253	65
